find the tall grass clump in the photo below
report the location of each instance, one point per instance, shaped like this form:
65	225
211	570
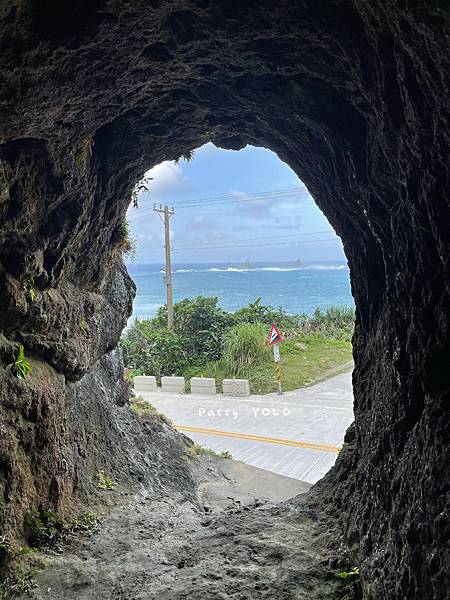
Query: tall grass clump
245	346
335	322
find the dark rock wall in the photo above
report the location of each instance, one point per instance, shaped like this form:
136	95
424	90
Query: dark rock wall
353	95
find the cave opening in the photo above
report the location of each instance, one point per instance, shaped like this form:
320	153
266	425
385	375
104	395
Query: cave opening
353	97
239	223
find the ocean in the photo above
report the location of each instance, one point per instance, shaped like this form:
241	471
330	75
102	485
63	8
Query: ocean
296	288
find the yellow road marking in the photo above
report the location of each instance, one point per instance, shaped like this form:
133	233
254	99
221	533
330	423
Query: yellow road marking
259	438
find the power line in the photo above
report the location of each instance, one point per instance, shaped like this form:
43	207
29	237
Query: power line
146	211
254	245
264	238
265	193
271	237
242	196
286	193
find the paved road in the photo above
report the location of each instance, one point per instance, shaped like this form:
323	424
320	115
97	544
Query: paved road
297	434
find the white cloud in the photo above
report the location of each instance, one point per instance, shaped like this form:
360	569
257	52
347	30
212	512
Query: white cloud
167	180
253	206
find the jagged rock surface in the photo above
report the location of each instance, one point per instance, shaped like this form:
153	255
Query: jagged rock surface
353	95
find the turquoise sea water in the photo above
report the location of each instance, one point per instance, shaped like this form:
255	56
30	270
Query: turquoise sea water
298	289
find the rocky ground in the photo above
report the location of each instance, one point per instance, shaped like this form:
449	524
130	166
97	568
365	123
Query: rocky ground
232	539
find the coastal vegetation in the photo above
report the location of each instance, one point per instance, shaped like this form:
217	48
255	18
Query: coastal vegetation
207	341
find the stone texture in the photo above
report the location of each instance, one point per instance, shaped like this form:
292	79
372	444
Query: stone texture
353	96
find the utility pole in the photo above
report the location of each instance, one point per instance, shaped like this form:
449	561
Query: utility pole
164	214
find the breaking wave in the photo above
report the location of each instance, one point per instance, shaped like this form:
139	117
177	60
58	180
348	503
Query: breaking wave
274	269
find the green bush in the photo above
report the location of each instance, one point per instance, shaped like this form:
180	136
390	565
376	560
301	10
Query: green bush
245	346
256	312
336	322
202	332
153	351
200	326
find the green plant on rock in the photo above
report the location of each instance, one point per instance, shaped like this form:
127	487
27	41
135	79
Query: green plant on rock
5	549
21	366
24	584
83	326
87	522
186	156
84	151
351	588
44	527
145	409
195	450
105	482
29	289
140	187
126	244
24	550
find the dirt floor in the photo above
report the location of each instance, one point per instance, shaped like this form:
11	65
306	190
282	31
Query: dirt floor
233	542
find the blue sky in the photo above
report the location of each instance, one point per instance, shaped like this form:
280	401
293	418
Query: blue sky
229	224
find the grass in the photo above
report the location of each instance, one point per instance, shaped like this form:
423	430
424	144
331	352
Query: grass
18	586
84	151
305	359
195	450
86	522
145	410
245	347
45	530
105	482
44	527
126	244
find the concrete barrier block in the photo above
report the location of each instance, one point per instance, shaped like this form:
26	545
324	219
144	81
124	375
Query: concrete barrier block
236	387
174	385
144	383
203	385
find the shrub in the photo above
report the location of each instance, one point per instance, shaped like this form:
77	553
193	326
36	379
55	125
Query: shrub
200	325
245	346
153	351
336	322
202	331
256	312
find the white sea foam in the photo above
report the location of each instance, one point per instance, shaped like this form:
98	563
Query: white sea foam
275	269
227	270
287	269
325	267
